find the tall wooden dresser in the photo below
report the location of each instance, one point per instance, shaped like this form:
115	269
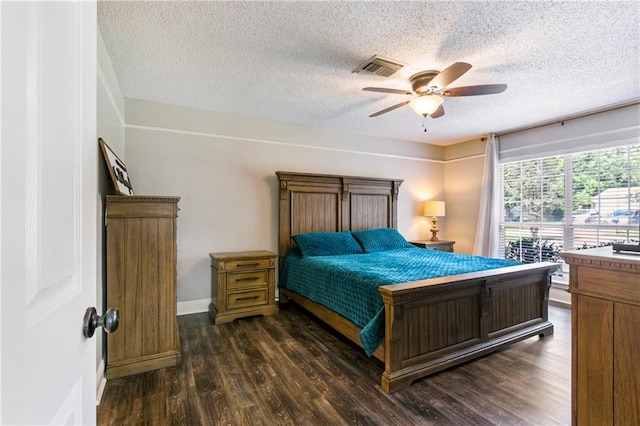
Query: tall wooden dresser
141	283
605	325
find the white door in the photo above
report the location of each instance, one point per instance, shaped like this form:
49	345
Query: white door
48	201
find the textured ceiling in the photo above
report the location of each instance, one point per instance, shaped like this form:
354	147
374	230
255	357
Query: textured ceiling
293	61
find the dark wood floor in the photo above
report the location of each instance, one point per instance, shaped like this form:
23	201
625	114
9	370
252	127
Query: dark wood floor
289	369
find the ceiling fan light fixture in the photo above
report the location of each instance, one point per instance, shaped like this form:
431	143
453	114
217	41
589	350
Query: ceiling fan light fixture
425	104
427	85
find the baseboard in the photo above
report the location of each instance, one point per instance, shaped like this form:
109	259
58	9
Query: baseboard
101	381
193	307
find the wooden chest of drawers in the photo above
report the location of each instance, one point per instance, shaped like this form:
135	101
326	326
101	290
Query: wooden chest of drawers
242	284
605	350
141	283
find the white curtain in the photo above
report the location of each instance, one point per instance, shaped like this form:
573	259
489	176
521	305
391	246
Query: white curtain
487	231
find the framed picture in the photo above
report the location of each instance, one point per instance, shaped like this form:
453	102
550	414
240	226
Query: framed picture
117	170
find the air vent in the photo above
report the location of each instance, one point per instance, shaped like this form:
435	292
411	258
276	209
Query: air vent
379	66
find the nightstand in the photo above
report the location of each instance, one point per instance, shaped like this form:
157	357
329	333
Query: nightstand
441	245
242	284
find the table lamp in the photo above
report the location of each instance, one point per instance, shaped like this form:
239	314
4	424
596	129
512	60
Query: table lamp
434	209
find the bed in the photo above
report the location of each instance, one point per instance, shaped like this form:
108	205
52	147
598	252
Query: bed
429	324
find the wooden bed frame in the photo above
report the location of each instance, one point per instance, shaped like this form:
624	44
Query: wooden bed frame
430	325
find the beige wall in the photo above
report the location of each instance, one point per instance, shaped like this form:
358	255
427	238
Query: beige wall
110	127
110	102
463	187
224	166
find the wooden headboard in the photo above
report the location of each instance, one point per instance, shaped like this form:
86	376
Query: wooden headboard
332	203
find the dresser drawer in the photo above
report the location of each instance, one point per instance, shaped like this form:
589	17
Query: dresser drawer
247	298
238	265
247	279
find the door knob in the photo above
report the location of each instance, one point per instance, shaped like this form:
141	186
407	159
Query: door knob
92	320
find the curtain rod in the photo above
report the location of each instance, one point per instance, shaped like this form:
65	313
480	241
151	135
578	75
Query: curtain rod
571	117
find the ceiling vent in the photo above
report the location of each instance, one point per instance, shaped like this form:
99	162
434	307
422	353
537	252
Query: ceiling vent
379	66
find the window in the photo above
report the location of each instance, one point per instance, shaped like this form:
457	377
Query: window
569	202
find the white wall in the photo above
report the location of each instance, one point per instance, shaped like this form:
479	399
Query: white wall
617	126
110	127
224	166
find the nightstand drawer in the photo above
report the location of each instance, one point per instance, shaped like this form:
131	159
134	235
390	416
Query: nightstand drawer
247	279
435	245
247	298
238	265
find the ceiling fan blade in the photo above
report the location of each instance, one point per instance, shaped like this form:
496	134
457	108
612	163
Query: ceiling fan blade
437	113
391	108
384	90
484	89
449	75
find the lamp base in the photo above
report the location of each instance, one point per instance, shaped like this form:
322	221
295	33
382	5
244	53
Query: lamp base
434	229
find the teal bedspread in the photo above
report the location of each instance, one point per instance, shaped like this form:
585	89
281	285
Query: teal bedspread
348	284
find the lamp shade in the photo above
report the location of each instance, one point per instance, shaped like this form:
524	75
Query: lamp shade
426	104
434	208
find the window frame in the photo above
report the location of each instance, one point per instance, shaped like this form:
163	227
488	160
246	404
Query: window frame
568	229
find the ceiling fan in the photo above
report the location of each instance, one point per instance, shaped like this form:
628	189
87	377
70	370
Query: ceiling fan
428	87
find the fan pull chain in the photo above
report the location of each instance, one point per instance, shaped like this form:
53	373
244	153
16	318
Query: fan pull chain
424	122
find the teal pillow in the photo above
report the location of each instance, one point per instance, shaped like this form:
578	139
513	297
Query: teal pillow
381	239
327	244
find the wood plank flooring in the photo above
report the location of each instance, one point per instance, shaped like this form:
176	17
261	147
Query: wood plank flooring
289	369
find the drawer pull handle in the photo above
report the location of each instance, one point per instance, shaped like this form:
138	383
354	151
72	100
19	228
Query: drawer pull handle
238	265
247	298
247	279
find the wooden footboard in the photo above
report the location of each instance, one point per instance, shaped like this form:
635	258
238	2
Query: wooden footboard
438	323
435	324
